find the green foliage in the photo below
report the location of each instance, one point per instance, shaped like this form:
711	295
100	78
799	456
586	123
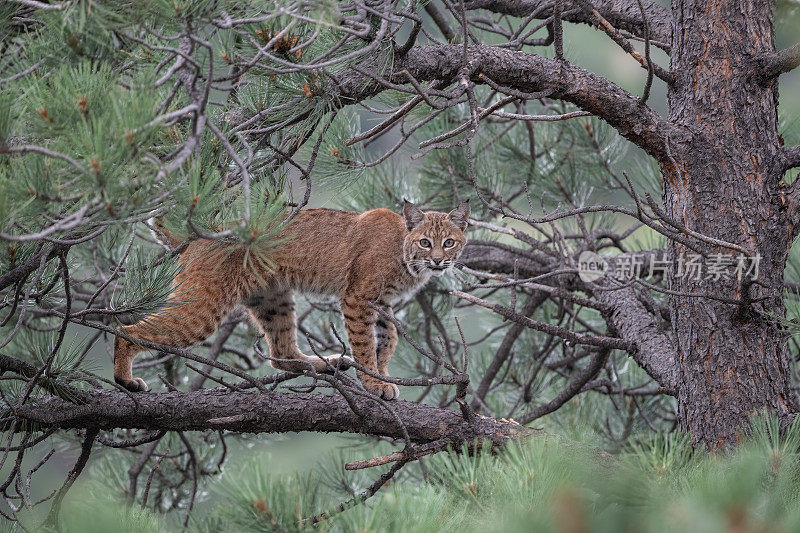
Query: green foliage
256	500
148	285
460	473
545	483
91	508
109	477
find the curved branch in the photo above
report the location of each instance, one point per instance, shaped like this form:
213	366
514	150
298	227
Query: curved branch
440	21
518	71
24	269
80	464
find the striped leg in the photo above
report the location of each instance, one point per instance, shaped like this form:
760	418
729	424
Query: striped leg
386	341
360	320
193	317
273	311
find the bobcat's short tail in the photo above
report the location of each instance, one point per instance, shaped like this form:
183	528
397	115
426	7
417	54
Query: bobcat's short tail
162	234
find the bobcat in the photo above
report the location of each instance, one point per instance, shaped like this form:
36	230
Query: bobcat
377	257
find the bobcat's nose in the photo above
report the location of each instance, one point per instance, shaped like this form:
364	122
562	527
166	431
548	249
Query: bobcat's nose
437	260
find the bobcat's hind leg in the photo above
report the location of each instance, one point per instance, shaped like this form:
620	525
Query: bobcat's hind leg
197	310
273	311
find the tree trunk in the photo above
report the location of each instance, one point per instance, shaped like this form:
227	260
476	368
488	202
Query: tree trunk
723	180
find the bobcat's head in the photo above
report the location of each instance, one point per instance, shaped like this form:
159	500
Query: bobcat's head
435	240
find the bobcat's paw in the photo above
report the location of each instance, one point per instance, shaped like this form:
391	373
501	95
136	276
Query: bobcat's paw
387	391
133	385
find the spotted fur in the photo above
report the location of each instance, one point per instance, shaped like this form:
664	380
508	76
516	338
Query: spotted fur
377	257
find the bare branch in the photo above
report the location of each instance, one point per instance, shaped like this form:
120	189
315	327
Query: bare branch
80	464
30	148
539	118
623	43
566	334
440	21
623	14
594	366
504	350
24	269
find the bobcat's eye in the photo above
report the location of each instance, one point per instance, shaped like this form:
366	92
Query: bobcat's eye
449	243
425	243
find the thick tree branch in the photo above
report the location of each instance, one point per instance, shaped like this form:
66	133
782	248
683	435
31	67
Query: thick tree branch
623	14
67	392
776	63
791	157
264	412
656	351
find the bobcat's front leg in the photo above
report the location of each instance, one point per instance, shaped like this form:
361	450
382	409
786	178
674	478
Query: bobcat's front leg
359	319
386	341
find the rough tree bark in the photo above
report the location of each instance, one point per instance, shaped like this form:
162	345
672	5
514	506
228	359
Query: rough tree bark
724	180
268	412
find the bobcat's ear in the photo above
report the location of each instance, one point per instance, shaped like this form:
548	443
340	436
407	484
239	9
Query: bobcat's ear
459	215
413	215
